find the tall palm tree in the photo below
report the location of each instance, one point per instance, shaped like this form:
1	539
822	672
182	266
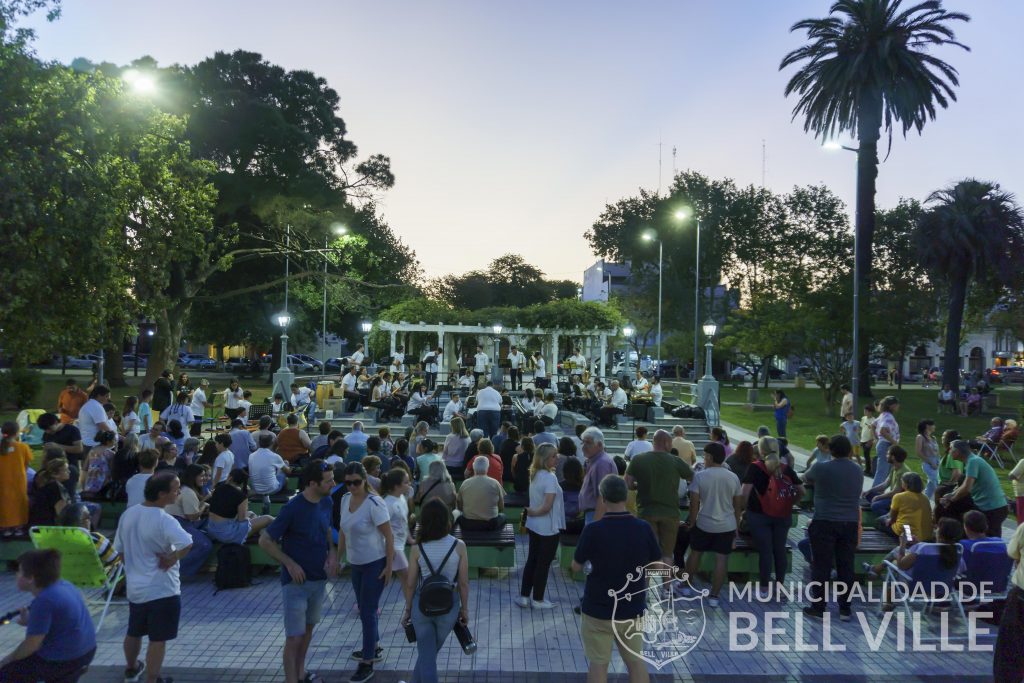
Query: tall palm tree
971	231
866	65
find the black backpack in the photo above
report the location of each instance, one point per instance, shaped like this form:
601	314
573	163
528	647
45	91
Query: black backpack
437	593
234	567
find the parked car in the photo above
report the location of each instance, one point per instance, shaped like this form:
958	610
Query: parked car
315	362
334	364
240	364
296	364
129	360
1012	374
740	373
78	363
198	361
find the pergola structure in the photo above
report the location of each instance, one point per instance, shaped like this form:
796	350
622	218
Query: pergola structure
592	342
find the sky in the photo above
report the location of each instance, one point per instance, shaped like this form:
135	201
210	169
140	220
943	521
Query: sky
510	125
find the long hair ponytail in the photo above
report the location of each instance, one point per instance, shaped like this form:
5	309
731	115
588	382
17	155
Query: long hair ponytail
9	432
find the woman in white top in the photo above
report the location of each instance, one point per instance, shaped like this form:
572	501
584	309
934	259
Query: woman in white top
545	519
529	404
436	548
365	538
394	488
455	445
656	392
129	418
887	431
232	395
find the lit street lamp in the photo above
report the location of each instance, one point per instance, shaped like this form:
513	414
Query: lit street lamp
627	332
709	331
496	373
649	236
283	319
366	327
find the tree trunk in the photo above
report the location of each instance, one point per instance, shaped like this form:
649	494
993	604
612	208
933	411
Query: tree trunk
868	132
113	366
170	325
899	373
957	300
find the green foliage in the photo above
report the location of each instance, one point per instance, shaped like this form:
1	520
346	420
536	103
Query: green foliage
507	281
19	386
568	314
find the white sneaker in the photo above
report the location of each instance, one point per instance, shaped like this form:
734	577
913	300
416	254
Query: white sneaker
541	604
522	601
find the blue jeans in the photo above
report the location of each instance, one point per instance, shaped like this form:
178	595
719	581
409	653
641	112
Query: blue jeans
489	421
879	507
368	588
431	632
769	535
780	426
201	548
933	478
881	464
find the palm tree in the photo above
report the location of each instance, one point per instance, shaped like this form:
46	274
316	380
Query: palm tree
971	231
865	65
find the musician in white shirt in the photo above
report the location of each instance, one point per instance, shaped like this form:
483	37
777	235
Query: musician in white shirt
641	384
516	361
488	409
420	404
431	366
348	389
465	380
540	375
616	405
579	363
357	357
400	357
656	392
480	363
232	395
454	408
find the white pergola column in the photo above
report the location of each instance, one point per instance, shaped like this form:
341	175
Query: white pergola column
394	335
604	355
553	365
441	361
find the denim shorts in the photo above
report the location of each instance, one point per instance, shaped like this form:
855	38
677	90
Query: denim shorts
229	530
302	604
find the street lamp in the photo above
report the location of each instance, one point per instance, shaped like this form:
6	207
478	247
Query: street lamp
496	373
282	320
339	230
366	325
681	215
650	236
709	331
627	332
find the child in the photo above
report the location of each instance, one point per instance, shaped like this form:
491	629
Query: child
387	445
395	487
851	428
867	436
821	452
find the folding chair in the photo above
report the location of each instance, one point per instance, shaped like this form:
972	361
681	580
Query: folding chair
929	573
1006	444
992	454
990	564
80	564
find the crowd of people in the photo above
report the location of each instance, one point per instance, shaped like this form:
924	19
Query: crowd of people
389	507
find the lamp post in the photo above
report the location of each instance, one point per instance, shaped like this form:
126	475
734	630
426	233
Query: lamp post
497	376
627	332
681	215
339	230
284	377
707	387
709	331
366	326
649	236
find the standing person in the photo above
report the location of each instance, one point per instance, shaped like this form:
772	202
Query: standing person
887	432
635	546
540	373
365	538
436	553
1008	657
846	403
198	406
145	411
655	475
488	409
480	364
300	540
783	408
927	449
431	365
598	465
833	530
396	487
70	401
715	509
578	363
92	418
60	638
163	392
867	437
516	361
69	439
545	519
981	485
14	461
770	488
179	411
152	543
232	395
129	418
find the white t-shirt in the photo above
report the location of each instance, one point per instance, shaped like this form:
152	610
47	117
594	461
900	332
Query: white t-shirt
548	410
244	406
264	465
198	401
417	400
637	447
364	543
92	418
398	508
717	487
543	483
481	361
180	412
130	423
884	419
231	398
451	409
143	534
488	398
357	358
540	372
135	487
226	461
465	382
641	384
657	393
348	382
301	397
515	360
619	398
579	362
430	367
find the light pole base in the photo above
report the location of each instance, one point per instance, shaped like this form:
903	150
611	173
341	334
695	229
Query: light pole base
283	379
707	398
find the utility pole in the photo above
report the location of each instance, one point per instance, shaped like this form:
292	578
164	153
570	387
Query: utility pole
659	164
764	162
673	162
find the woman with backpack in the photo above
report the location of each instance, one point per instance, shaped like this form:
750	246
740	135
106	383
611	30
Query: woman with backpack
365	538
771	487
436	588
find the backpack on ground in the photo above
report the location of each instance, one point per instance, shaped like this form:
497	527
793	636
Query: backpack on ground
437	592
777	499
234	567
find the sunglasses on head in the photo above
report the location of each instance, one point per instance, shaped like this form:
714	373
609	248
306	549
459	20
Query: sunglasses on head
353	482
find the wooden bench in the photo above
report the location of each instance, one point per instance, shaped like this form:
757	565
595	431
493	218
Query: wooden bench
874	546
566	551
743	561
515	503
488	549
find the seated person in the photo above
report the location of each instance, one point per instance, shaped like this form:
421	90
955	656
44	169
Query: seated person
906	553
994	434
230	519
975	530
437	484
48	493
541	434
572	483
614	406
267	470
947	397
821	451
277	406
638	445
60	637
481	499
880	496
454	408
495	467
244	405
336	452
321	440
77	514
421	404
465	380
1010	432
910	507
372	464
972	403
548	411
293	443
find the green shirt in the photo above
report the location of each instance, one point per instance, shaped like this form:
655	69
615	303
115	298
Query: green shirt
657	477
895	474
986	492
947	466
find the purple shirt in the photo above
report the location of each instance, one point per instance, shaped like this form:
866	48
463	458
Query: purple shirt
598	467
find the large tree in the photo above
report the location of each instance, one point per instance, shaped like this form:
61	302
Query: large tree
972	231
867	66
506	281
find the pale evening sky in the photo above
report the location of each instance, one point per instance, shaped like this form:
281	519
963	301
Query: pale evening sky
510	124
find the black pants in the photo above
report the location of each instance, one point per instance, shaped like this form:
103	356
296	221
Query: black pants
995	520
541	382
516	379
606	415
483	524
538	562
34	668
427	413
832	543
1008	658
431	380
769	534
866	451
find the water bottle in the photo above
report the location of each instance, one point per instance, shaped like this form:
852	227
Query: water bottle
465	638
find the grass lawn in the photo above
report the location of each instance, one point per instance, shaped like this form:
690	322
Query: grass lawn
810	420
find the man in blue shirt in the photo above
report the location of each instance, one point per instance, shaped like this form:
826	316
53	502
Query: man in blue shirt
300	539
60	637
635	546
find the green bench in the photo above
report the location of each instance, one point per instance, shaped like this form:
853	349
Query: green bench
874	546
11	550
566	551
515	503
743	561
488	549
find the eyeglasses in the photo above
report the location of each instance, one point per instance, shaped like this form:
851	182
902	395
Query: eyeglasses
353	482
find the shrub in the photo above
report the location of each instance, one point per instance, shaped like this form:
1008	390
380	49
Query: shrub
20	386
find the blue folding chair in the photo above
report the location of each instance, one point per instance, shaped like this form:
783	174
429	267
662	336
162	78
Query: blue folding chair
988	563
929	573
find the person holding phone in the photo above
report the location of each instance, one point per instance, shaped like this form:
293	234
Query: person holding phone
910	509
